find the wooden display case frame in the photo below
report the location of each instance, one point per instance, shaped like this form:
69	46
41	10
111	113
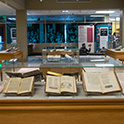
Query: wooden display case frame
97	111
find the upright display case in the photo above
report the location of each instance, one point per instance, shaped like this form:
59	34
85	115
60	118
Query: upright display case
79	107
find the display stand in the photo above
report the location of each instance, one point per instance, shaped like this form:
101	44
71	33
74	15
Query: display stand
115	54
62	111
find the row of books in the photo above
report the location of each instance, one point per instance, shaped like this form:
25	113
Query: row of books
22	82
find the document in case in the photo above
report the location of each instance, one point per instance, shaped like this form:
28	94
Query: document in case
103	82
19	86
59	84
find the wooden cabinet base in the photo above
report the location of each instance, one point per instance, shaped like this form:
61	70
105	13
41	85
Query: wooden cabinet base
62	111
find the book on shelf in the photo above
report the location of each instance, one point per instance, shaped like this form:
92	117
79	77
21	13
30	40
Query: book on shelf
19	86
27	72
102	82
59	84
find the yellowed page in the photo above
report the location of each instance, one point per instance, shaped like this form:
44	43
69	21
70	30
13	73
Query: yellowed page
67	84
13	85
109	82
53	84
26	85
92	82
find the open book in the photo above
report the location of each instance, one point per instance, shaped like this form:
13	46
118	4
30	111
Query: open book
58	84
19	86
103	82
27	72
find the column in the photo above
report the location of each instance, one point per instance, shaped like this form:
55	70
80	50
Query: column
21	25
106	18
122	26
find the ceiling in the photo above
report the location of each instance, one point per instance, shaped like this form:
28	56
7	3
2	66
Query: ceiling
71	12
6	10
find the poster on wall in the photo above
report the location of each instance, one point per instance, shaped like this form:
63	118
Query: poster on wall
103	36
13	33
86	35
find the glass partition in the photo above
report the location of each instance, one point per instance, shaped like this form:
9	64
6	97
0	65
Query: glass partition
71	33
55	33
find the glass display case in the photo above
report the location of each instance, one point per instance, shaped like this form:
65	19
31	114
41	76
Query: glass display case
60	56
77	105
61	51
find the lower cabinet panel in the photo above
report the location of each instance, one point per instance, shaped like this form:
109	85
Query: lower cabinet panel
62	112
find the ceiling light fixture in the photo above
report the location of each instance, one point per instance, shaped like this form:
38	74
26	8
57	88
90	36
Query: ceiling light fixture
105	12
64	10
97	15
13	19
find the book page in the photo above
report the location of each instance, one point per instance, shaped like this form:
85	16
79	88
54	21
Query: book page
67	84
26	85
13	85
53	84
109	82
92	82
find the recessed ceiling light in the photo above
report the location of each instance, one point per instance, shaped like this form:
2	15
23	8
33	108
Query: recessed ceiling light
64	10
105	12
